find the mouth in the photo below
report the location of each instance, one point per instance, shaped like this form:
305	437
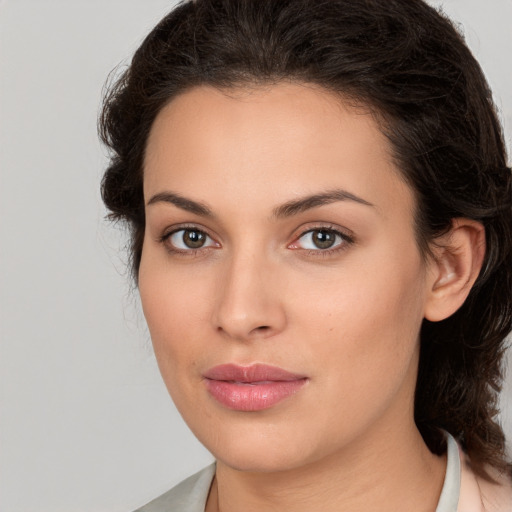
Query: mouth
251	388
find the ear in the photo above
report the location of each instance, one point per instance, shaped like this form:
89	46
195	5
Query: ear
458	257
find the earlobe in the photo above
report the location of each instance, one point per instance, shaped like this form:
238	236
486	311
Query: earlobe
457	261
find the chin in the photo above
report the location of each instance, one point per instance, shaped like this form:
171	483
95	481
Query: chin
260	459
261	448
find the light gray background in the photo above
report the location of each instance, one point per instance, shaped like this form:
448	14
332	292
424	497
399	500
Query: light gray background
85	421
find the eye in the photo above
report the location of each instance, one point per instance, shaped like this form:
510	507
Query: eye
189	239
321	239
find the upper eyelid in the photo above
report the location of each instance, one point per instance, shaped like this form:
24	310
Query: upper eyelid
344	232
168	231
344	238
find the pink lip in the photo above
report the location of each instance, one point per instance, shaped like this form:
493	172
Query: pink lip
251	388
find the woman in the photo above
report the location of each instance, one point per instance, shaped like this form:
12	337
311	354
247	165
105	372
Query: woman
321	220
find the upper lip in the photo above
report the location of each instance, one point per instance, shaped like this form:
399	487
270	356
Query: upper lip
252	373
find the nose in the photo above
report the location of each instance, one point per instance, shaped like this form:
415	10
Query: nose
248	303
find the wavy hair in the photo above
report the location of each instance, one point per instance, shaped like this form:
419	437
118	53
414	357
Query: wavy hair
411	67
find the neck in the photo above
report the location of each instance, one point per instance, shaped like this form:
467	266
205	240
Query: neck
400	474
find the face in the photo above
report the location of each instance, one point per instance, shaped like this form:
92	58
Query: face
280	275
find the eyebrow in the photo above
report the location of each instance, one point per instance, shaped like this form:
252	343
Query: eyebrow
181	202
287	209
300	205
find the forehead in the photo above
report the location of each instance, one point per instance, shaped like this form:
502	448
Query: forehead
277	141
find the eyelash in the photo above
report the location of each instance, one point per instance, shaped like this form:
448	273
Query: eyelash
164	239
346	241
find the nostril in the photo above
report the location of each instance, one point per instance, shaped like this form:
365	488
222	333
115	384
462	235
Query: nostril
260	331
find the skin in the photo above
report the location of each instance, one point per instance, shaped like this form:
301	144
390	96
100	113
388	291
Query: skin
260	291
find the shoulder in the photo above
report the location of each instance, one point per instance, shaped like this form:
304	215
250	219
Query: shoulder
496	497
188	496
480	495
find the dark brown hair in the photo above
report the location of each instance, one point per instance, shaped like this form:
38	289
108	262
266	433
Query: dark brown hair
405	61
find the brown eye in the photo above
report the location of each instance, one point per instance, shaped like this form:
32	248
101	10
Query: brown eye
194	239
190	239
323	239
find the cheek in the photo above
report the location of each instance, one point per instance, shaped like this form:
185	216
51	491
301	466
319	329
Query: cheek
365	321
173	317
176	311
364	354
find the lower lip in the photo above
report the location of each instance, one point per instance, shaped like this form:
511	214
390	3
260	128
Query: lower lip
255	396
